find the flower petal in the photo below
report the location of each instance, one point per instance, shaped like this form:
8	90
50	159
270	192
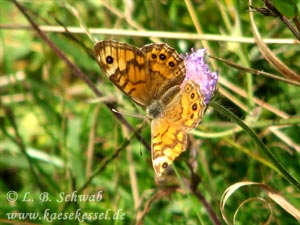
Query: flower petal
198	71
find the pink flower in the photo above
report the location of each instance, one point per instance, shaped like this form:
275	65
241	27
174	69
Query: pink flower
198	71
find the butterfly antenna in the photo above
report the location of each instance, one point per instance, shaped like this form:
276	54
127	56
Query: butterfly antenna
127	114
141	128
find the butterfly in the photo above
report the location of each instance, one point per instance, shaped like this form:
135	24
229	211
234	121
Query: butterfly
153	76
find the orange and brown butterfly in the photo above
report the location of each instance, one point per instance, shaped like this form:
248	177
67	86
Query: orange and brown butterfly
164	82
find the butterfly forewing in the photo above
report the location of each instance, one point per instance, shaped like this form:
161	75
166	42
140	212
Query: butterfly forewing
125	66
165	69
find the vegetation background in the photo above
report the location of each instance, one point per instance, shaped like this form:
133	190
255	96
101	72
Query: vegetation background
57	138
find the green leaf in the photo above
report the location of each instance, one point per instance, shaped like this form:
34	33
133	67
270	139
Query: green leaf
287	8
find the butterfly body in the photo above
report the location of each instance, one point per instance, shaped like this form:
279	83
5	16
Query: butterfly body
153	77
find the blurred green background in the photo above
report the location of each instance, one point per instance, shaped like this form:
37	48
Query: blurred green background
58	141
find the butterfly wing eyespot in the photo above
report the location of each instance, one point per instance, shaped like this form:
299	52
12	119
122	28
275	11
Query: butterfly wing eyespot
164	165
109	59
153	56
171	64
162	57
195	106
